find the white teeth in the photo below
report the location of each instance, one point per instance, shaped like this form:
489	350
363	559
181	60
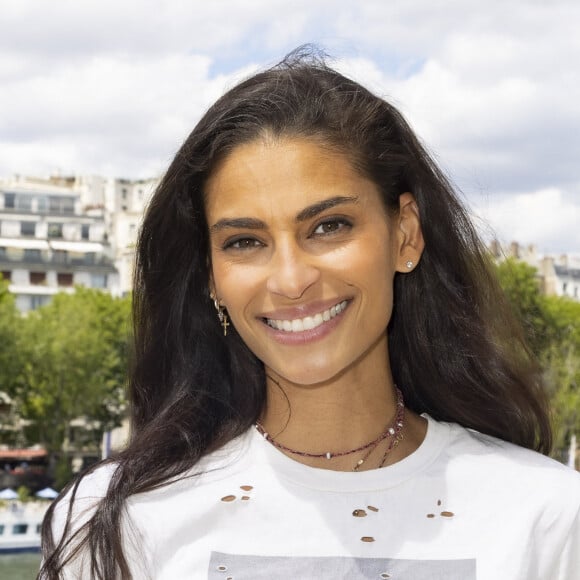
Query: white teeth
309	322
297	325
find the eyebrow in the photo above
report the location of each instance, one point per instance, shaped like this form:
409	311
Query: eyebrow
244	223
313	210
307	213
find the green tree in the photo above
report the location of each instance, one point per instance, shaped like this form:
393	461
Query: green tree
552	327
520	284
9	359
561	361
10	362
75	365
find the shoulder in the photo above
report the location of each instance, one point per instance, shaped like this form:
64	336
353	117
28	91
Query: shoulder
93	484
82	498
493	449
514	471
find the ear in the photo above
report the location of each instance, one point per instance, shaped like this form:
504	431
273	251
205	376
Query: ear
410	234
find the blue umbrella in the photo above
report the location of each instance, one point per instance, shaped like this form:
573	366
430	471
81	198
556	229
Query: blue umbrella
46	493
8	493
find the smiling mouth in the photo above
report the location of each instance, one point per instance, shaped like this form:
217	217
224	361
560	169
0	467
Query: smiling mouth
308	322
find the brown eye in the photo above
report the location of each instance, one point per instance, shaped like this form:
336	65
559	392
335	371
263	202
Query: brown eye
242	244
331	226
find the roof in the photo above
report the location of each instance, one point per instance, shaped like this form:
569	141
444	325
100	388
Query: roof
564	271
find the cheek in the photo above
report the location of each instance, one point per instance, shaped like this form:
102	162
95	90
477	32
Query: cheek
373	274
234	284
369	265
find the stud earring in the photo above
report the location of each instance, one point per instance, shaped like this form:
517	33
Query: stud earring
409	264
222	316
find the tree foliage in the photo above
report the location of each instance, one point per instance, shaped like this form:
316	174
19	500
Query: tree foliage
552	326
74	364
9	355
561	360
520	284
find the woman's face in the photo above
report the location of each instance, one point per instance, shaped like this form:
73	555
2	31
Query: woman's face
303	256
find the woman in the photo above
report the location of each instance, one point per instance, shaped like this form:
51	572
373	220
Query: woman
327	384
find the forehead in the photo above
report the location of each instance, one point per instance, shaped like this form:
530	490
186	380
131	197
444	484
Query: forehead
281	176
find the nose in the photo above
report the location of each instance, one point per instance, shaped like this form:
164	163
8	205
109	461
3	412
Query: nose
292	272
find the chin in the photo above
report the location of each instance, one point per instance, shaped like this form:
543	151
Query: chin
304	375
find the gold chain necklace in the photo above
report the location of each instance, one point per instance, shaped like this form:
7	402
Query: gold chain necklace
392	431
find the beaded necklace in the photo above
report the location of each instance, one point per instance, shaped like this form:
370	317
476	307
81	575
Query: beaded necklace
393	431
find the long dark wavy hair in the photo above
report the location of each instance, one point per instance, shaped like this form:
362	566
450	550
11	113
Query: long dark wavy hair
454	349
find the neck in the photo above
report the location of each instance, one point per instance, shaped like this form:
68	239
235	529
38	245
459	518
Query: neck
327	433
340	414
334	409
392	434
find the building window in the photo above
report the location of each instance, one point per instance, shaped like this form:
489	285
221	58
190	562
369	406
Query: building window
89	258
27	228
85	231
60	256
19	529
32	255
61	204
9	200
99	281
37	278
54	204
42	204
2	253
38	528
6	275
55	230
1	529
68	205
24	202
124	193
38	301
64	279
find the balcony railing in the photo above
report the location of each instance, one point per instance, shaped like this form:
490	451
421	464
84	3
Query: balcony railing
67	212
58	260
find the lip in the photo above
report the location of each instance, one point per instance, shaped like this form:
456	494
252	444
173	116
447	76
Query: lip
305	336
303	310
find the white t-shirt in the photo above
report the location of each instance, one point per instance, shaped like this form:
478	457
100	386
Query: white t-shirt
463	506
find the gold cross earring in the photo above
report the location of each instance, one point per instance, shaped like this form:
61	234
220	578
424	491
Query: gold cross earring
223	317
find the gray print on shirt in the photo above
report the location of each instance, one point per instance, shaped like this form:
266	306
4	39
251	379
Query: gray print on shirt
242	567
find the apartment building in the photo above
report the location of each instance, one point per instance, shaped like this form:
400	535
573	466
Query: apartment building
557	275
48	244
125	202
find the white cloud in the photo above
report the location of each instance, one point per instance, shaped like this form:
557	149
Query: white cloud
116	111
106	86
544	217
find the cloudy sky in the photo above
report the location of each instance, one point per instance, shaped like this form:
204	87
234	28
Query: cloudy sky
113	87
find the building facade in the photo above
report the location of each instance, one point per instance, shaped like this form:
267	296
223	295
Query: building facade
557	275
121	203
125	202
48	244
